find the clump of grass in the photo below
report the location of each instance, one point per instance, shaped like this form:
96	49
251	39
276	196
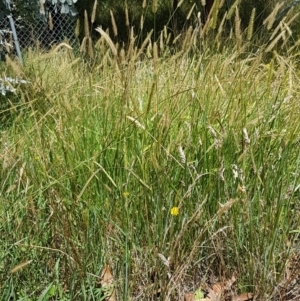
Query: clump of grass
91	172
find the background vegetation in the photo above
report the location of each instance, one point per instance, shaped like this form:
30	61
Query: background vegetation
175	165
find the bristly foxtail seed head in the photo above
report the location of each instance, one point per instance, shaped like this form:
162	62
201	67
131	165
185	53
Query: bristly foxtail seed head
222	2
237	26
77	28
154	6
93	17
180	3
190	12
83	45
251	24
50	22
145	43
272	16
126	16
114	24
86	25
108	40
142	22
232	9
155	53
161	42
122	56
90	48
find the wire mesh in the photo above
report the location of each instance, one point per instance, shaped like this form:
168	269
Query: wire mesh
44	31
55	26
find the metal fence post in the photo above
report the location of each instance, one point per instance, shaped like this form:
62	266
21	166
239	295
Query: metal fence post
13	29
16	41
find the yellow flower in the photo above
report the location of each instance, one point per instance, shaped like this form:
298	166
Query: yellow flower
125	194
175	211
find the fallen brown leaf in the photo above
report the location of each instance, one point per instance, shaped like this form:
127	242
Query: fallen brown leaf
189	297
242	297
218	288
107	284
230	282
215	295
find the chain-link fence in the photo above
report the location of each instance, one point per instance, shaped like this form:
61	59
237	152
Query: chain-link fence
44	30
55	26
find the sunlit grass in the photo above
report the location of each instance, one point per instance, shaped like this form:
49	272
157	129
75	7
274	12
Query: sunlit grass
170	170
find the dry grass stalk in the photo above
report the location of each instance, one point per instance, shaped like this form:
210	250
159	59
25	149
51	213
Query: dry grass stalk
214	14
20	266
289	32
50	22
93	17
148	50
207	24
255	65
142	22
237	27
283	31
62	45
122	57
83	45
187	42
16	67
161	41
203	2
114	24
130	50
144	4
77	28
194	37
180	3
136	122
296	45
191	11
220	29
275	31
295	17
144	44
274	42
90	48
126	16
222	2
177	38
108	40
155	56
165	32
154	6
11	41
271	18
251	24
86	25
232	9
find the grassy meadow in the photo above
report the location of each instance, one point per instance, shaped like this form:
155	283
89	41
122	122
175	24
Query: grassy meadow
147	174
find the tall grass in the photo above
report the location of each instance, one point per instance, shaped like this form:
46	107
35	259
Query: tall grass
98	157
